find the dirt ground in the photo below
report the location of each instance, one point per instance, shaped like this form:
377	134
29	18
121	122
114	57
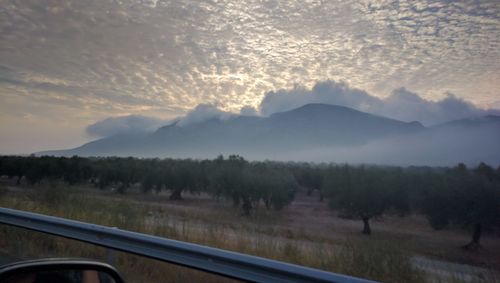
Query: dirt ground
308	219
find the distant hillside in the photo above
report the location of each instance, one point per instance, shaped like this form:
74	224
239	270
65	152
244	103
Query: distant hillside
314	132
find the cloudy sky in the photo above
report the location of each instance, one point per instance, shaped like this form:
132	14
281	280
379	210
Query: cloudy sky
65	65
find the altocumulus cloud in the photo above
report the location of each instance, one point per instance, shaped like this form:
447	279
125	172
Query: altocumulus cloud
401	104
168	56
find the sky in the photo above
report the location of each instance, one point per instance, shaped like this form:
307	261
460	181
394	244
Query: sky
66	66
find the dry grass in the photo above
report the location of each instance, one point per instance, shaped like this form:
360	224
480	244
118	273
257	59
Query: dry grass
306	233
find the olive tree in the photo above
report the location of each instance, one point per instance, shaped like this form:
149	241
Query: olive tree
466	199
362	192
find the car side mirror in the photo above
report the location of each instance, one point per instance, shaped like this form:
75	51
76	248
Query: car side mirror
59	270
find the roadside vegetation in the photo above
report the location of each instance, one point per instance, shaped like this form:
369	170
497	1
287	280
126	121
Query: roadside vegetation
238	205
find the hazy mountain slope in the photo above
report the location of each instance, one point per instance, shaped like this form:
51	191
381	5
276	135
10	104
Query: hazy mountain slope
314	132
469	141
321	124
117	145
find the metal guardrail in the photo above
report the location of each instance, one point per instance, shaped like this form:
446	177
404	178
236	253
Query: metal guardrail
222	262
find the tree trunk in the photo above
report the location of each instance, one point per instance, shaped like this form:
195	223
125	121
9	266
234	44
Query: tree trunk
476	236
158	188
247	207
267	202
176	195
122	189
366	227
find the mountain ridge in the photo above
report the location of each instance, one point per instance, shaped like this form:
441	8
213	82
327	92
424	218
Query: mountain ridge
313	132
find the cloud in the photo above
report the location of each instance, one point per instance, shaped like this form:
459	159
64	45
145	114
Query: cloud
201	113
407	106
129	53
328	92
402	104
133	124
124	125
248	111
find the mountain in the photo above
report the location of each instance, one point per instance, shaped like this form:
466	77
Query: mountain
468	141
313	132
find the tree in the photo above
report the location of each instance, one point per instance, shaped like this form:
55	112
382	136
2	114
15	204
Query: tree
486	171
183	177
13	166
360	193
151	175
434	202
273	185
227	181
310	177
248	184
467	199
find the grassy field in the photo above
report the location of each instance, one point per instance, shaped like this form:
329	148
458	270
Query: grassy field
306	233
